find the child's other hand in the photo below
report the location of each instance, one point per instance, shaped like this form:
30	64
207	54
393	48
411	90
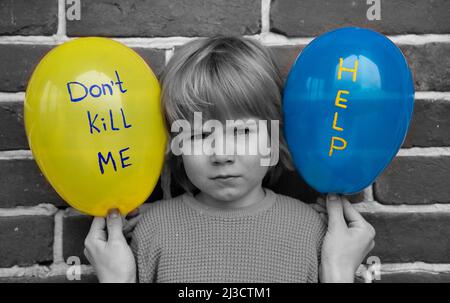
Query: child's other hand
348	240
108	251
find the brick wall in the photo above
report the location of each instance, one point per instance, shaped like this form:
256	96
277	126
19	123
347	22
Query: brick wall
409	205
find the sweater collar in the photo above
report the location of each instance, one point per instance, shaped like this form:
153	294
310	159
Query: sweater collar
228	212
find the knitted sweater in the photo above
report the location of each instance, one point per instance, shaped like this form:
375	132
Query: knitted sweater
183	240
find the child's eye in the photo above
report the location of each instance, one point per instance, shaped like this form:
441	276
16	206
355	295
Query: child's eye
200	136
242	131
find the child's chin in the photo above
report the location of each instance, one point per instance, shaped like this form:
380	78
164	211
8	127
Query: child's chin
227	194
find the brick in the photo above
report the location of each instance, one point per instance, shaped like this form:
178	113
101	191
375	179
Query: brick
12	131
52	279
411	237
155	58
18	62
284	57
430	125
414	277
414	180
311	18
26	240
429	63
75	230
22	17
22	184
165	18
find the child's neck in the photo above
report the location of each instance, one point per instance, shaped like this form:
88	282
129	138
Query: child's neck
254	196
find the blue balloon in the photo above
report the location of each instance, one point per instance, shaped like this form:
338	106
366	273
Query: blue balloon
347	105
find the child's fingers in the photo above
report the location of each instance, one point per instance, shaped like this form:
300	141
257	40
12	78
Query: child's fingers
114	225
352	216
324	217
97	230
129	227
372	245
319	208
133	213
131	224
315	206
335	211
128	236
322	203
321	200
87	255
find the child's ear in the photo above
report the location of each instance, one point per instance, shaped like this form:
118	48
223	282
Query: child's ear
274	149
274	156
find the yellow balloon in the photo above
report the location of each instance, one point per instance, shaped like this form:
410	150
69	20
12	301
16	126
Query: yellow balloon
94	125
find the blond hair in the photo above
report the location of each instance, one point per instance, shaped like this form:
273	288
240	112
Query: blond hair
223	78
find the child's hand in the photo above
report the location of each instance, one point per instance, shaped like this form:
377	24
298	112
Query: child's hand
108	251
130	222
348	240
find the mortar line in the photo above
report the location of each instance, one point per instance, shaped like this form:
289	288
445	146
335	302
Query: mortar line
61	32
265	16
43	209
419	95
377	207
41	271
268	38
58	238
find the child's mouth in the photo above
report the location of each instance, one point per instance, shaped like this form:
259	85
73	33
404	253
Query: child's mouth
225	177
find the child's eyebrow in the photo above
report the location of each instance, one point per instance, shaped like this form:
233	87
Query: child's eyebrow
207	130
249	123
243	123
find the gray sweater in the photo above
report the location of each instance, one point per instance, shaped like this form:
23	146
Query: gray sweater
183	240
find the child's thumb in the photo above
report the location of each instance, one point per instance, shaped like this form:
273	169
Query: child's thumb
335	211
114	225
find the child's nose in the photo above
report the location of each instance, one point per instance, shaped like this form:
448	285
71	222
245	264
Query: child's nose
218	159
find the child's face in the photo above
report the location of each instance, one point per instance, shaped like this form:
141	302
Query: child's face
228	176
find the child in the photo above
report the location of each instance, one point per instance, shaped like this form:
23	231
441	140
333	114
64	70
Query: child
227	227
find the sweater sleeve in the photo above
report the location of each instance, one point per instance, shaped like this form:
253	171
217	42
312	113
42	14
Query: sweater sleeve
145	251
320	230
323	226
